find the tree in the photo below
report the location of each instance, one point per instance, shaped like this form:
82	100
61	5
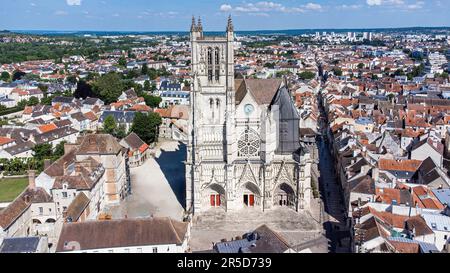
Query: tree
5	76
360	66
121	132
17	75
33	101
72	79
83	90
43	151
146	126
109	125
22	103
147	85
43	87
152	73
59	150
144	69
307	75
152	101
337	72
108	87
47	100
122	61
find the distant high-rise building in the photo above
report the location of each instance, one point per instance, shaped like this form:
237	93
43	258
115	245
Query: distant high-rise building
366	36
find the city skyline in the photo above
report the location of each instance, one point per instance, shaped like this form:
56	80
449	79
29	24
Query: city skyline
109	15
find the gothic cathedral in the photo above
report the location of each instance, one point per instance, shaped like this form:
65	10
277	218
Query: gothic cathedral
243	144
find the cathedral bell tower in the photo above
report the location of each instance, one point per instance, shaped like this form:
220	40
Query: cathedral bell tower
212	105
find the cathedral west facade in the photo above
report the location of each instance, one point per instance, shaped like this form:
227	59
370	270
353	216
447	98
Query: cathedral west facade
243	147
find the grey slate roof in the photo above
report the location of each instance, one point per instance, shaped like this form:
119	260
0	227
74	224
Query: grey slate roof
20	245
289	122
262	240
119	116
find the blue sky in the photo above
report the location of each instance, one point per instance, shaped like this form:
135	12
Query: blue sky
163	15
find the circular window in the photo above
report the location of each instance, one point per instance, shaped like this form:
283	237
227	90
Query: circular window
249	144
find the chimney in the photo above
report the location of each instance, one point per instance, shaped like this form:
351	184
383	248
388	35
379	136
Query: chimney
65	165
32	179
47	163
78	167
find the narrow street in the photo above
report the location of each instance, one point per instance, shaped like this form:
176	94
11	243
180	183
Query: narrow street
331	194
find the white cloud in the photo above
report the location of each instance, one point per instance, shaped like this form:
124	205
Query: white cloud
398	4
73	2
313	6
61	13
263	8
226	8
385	2
417	5
350	7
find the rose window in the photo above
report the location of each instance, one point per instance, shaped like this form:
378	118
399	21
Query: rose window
249	144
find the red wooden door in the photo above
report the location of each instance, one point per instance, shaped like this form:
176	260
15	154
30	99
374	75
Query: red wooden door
213	200
218	200
252	200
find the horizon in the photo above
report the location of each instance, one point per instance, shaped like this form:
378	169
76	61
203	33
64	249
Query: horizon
216	31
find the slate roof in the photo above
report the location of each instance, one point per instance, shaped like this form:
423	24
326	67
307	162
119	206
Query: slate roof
288	142
262	240
119	116
127	232
20	148
20	245
55	134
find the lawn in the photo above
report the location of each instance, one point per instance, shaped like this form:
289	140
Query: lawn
11	188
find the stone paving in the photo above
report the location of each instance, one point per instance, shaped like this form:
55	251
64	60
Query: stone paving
296	228
157	186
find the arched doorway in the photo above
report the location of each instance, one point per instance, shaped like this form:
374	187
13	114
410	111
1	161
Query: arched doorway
216	196
50	220
251	195
284	196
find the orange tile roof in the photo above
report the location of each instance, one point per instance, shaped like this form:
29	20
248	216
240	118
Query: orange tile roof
28	110
386	196
399	165
143	147
90	115
5	140
47	128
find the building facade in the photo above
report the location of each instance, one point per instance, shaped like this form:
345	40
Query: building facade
243	147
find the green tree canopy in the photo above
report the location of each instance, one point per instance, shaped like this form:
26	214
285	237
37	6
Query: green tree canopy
307	75
5	76
109	125
152	101
108	87
122	61
33	101
144	69
337	72
43	151
147	86
59	150
146	126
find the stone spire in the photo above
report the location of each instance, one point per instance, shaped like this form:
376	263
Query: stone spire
193	26
199	25
230	27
